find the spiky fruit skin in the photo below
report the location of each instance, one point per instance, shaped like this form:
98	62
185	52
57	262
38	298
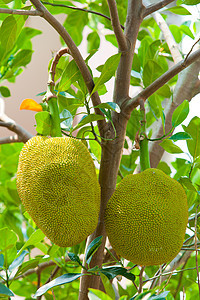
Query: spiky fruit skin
57	184
146	218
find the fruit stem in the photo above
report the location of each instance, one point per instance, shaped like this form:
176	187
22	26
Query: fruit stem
55	118
51	98
144	149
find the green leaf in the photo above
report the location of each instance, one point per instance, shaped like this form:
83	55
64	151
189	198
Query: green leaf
88	119
5	291
31	264
180	113
22	58
7	245
188	2
97	295
92	248
161	296
108	70
43	121
112	272
107	286
8	239
109	105
175	30
185	181
141	296
163	166
35	238
170	147
1	261
93	41
74	23
180	136
74	257
179	10
151	72
112	39
67	120
8	34
193	129
69	75
66	278
4	91
186	30
18	261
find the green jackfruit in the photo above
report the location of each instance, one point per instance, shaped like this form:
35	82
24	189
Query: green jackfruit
146	218
57	184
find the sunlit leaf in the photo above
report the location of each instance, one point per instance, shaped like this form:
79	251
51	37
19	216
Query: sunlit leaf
66	278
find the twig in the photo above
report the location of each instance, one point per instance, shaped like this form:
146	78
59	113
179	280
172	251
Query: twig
55	61
121	39
154	7
80	9
191	49
168	280
180	278
159	82
196	249
173	47
141	280
20	12
53	274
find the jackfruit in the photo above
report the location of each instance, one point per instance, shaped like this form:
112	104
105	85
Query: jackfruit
58	186
146	218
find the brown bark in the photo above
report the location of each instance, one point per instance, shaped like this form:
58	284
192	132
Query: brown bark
110	160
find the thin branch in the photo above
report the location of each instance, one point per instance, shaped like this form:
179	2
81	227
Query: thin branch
154	7
121	40
180	278
192	49
173	47
77	57
53	274
158	83
22	134
10	139
20	12
141	280
55	61
80	9
123	74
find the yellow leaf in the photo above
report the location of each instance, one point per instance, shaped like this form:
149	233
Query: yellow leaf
30	104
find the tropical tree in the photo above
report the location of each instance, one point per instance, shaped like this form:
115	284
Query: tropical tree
154	82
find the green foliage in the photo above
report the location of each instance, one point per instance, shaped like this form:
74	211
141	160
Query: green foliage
19	234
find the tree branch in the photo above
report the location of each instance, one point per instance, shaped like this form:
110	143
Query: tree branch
21	134
185	89
77	57
133	21
20	12
80	9
122	42
158	83
154	7
173	47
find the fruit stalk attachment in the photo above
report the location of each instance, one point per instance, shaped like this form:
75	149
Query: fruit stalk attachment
51	98
144	149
